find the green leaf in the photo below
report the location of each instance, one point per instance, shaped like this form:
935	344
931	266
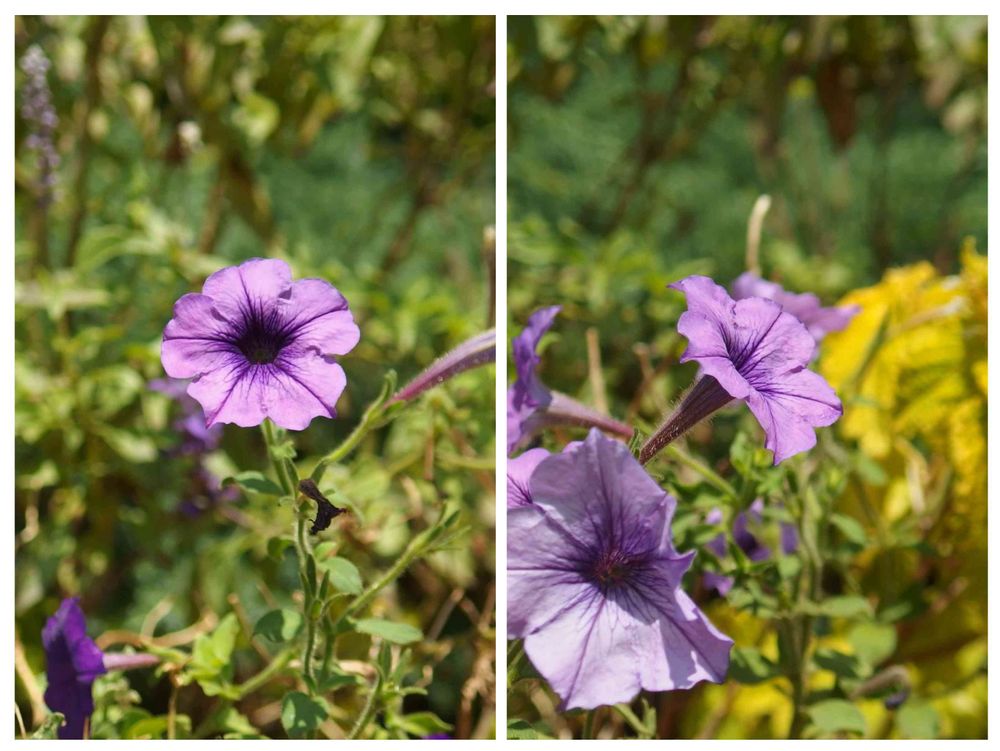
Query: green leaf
279	625
397	633
155	728
918	719
133	448
276	548
344	575
519	730
235	726
837	716
337	680
211	663
421	724
846	606
851	529
841	664
49	728
255	482
748	665
301	715
873	642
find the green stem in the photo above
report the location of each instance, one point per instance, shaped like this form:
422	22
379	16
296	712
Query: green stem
289	483
280	469
367	713
630	717
413	551
705	471
368	422
277	665
588	725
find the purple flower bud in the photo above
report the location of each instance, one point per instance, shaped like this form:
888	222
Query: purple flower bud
479	350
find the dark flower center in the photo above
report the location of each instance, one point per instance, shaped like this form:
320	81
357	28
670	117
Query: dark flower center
262	335
614	568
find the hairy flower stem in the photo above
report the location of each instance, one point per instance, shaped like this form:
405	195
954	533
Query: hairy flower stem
287	477
375	416
705	398
713	477
368	712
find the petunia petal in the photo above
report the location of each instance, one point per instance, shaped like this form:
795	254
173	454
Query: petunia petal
519	472
623	496
233	393
195	339
542	580
320	317
305	386
257	281
789	407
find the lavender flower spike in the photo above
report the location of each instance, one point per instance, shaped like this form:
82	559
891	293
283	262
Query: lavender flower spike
594	582
531	406
819	321
73	663
479	350
753	351
260	346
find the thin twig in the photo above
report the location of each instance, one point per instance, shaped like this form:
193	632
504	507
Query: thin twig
754	227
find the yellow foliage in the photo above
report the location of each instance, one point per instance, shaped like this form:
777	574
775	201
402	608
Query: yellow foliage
911	369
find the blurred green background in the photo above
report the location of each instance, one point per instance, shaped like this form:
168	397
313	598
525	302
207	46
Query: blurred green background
361	150
638	148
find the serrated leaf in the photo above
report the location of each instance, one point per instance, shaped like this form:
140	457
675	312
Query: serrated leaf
837	716
397	633
300	715
279	625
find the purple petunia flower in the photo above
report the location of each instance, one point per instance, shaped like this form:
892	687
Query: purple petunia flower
819	321
753	548
73	663
531	406
594	582
261	346
753	351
